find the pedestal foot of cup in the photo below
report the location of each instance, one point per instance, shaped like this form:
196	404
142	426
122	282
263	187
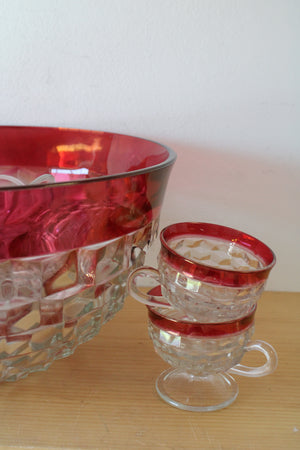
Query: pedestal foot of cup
195	393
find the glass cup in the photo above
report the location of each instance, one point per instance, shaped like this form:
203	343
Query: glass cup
202	355
209	272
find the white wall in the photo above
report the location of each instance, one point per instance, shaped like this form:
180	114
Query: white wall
217	80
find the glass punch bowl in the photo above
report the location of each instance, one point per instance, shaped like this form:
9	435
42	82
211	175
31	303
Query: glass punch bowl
78	210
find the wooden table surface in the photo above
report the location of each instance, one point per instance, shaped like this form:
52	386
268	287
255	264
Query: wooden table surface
104	396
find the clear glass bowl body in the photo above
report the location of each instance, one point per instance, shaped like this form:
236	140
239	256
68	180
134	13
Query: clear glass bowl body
78	211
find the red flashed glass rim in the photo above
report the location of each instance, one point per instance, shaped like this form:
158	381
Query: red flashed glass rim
168	161
214	275
196	329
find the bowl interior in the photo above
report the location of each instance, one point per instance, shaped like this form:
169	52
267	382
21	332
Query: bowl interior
67	155
61	189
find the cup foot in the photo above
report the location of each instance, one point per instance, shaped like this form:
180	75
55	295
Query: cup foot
196	393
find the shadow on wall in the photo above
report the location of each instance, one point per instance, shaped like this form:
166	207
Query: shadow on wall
243	191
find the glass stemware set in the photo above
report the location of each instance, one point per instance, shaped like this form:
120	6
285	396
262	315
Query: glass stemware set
201	304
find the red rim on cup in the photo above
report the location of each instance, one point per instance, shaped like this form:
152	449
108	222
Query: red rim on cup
210	274
196	329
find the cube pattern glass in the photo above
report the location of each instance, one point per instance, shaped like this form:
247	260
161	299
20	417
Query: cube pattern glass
78	210
210	302
51	304
203	355
212	272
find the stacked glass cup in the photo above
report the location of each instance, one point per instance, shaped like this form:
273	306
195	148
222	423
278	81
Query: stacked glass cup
201	307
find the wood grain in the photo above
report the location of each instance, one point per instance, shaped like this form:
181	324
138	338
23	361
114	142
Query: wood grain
103	396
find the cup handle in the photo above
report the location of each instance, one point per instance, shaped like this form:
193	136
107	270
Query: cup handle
267	368
135	291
